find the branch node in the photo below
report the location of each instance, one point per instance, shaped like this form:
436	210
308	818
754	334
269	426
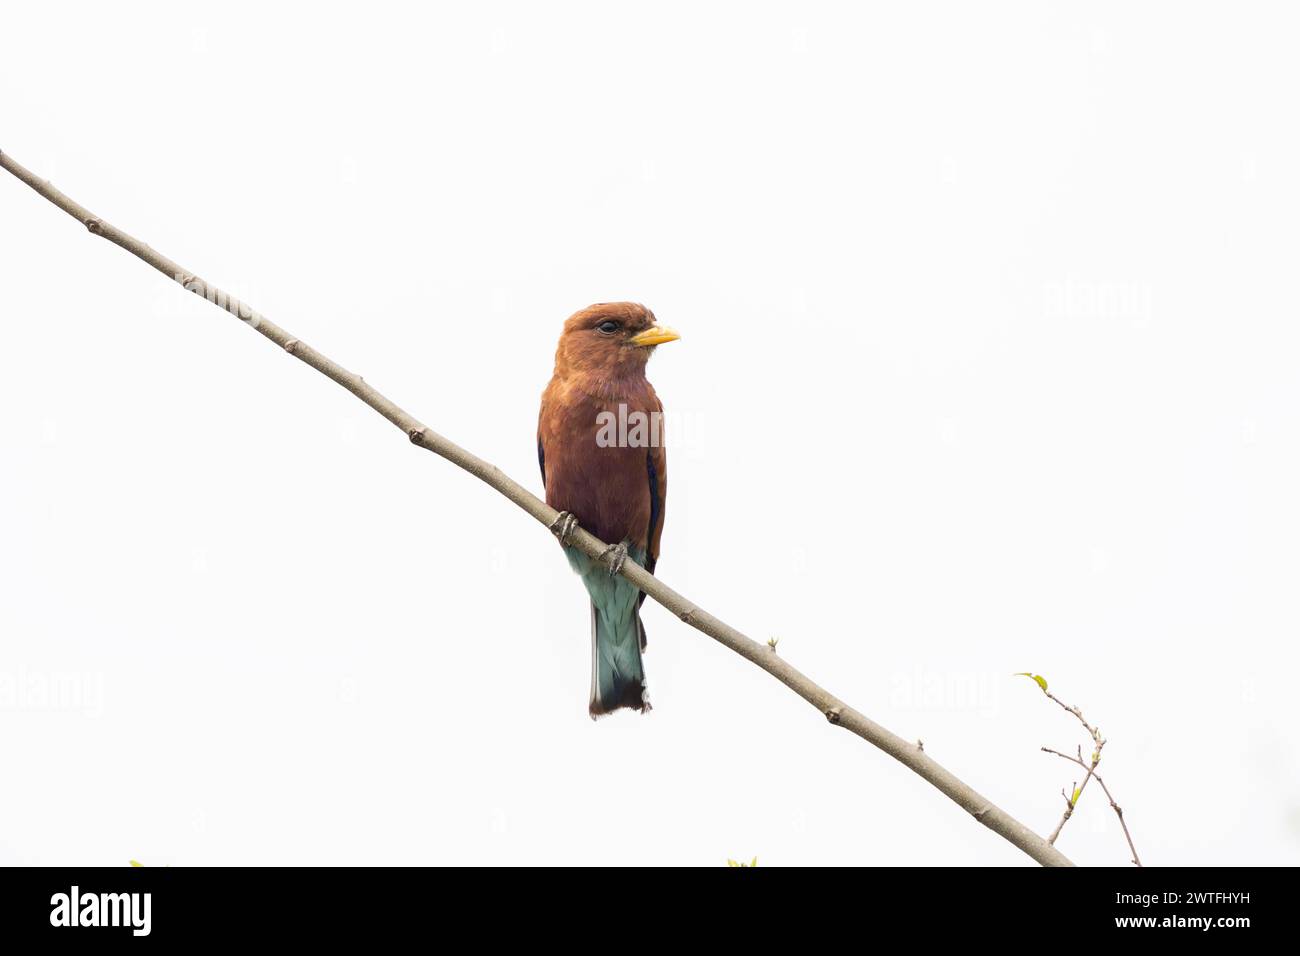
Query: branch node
94	225
292	346
416	435
833	714
688	615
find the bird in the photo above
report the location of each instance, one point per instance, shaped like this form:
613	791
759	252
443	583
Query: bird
600	447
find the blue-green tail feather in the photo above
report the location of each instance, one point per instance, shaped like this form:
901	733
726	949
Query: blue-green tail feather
617	637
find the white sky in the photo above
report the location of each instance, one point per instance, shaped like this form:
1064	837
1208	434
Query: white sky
989	364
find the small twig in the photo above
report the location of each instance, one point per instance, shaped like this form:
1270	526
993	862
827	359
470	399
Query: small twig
1092	775
1071	803
1092	731
1119	812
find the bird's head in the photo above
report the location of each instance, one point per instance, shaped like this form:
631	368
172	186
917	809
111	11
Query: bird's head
610	340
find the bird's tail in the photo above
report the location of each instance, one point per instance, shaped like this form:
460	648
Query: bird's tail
617	671
617	637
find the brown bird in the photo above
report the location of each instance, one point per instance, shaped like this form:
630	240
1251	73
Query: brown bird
601	450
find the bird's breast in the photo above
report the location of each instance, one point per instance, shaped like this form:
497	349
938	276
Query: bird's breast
596	451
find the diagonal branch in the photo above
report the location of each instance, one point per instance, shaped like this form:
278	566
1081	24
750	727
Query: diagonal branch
835	710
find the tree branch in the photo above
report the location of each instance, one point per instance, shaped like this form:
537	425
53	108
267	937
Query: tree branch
835	710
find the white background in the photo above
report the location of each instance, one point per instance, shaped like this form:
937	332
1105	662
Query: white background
989	364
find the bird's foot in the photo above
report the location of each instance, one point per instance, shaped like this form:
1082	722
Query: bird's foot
616	554
563	526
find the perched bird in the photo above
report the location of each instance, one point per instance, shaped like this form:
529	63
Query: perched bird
601	451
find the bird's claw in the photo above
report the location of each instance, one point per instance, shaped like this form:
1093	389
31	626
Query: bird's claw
617	556
563	526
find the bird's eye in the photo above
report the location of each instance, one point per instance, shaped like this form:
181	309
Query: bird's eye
608	327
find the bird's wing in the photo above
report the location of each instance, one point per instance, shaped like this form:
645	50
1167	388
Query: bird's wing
541	459
656	466
657	475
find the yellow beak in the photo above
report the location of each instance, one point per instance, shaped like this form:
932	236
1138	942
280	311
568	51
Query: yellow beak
655	335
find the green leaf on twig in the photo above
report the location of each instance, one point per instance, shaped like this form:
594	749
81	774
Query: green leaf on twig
1039	679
